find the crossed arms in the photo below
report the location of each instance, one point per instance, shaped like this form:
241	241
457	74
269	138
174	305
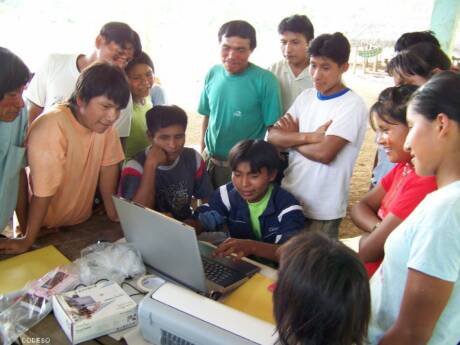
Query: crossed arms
316	145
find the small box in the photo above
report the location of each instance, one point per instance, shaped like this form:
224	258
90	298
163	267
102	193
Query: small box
93	311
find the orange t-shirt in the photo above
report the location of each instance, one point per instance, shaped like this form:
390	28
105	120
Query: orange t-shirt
65	160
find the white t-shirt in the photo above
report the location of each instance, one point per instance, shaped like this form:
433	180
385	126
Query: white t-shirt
291	86
56	81
322	189
427	241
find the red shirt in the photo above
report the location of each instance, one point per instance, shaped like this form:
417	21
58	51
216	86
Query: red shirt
404	191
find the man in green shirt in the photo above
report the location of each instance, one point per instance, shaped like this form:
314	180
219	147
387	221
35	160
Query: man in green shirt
239	100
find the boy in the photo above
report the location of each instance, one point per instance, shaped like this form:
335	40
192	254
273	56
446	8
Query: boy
14	76
258	214
229	113
324	129
71	149
295	32
166	175
116	44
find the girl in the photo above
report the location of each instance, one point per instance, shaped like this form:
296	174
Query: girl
384	207
322	293
140	72
416	293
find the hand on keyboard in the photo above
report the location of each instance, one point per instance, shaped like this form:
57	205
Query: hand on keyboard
235	248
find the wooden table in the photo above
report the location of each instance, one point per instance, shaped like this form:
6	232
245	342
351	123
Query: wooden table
70	241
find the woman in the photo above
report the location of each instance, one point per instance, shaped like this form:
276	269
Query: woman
416	294
384	207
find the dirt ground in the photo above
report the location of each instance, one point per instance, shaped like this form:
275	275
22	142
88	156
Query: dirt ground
368	87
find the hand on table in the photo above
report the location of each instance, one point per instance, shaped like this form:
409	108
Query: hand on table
14	246
234	248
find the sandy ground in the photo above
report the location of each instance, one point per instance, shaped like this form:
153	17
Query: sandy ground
368	87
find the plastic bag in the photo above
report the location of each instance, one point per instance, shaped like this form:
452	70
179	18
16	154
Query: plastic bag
111	261
21	310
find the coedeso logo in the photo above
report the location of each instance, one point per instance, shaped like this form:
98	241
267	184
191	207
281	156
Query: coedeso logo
36	340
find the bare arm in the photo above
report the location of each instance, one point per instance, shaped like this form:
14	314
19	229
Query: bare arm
145	194
23	201
242	248
34	110
325	151
108	181
204	127
364	213
38	209
424	300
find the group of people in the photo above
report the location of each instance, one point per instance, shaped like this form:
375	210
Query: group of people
278	148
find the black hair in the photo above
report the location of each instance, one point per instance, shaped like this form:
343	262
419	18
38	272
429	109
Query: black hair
432	55
441	94
13	72
121	34
258	153
238	28
391	105
299	24
162	116
142	58
408	63
333	46
102	79
410	38
322	295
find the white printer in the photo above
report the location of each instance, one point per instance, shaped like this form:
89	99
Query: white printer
173	315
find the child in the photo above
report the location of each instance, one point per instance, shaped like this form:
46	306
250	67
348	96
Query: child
384	207
259	215
165	175
140	73
71	149
416	291
14	76
323	153
322	294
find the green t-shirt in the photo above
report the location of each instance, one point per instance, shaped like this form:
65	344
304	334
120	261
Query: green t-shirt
137	139
255	211
239	106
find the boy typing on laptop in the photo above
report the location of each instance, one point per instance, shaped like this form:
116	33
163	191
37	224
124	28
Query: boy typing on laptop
259	215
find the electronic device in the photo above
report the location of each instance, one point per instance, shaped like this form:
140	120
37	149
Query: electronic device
171	248
173	315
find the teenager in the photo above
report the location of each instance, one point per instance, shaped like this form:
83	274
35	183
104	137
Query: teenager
324	130
166	175
14	75
322	293
415	293
258	214
71	149
397	194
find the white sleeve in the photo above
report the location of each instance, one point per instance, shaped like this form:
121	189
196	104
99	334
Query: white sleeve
299	104
123	124
36	90
349	120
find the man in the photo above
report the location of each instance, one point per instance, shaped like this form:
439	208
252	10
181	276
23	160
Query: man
295	32
71	149
14	75
324	129
116	43
239	101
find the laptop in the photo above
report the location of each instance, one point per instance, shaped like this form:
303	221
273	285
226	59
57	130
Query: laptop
171	248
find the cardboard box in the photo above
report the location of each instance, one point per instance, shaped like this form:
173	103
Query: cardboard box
93	311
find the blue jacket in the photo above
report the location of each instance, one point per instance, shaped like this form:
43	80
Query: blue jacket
282	218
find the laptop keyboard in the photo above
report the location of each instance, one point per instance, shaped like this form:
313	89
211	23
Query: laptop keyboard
220	274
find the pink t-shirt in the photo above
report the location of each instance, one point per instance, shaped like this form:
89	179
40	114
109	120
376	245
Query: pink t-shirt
65	160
